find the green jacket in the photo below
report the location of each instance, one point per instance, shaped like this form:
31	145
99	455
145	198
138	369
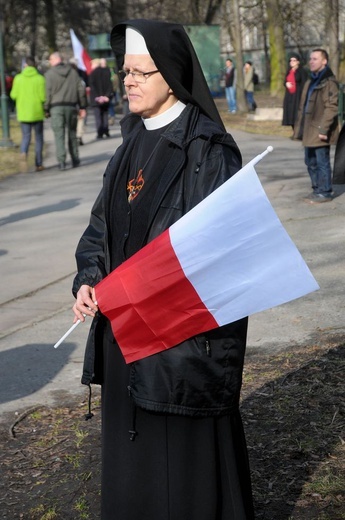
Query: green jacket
64	87
28	92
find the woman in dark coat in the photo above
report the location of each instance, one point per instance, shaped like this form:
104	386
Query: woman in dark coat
173	446
295	78
101	91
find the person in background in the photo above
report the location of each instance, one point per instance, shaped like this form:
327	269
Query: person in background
230	85
339	159
101	91
115	96
317	125
249	86
65	101
81	118
295	79
173	444
28	93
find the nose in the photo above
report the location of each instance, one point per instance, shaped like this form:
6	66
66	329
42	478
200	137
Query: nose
129	80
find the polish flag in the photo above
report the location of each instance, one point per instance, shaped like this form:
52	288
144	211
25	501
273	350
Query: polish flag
227	258
80	54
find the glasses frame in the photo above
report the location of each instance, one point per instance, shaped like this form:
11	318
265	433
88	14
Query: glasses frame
125	73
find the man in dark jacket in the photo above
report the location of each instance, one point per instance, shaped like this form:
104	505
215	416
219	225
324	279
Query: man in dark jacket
317	125
180	406
101	91
230	85
65	100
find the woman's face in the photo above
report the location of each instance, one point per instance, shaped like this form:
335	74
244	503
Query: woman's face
294	63
151	98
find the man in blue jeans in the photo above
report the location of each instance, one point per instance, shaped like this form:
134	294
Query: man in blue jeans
317	125
230	85
28	92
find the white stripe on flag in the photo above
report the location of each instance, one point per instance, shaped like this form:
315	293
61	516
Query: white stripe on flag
236	253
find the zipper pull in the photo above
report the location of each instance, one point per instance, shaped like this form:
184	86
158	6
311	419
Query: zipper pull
208	348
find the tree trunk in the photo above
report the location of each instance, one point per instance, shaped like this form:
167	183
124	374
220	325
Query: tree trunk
333	25
118	11
51	30
277	47
236	39
33	28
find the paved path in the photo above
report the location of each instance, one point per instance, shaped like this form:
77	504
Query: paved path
42	216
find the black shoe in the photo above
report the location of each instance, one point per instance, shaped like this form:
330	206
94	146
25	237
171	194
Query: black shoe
107	134
62	166
80	141
99	137
76	163
317	198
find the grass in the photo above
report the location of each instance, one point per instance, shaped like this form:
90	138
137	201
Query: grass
294	418
9	156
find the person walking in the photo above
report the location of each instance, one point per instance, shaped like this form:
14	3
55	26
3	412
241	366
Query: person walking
101	91
173	444
295	79
317	125
81	120
65	101
230	86
28	93
249	86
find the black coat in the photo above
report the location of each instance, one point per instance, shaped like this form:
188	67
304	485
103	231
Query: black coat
100	84
291	101
202	376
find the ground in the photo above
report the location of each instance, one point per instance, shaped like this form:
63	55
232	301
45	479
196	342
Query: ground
293	408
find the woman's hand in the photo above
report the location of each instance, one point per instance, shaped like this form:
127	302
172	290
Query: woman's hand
85	304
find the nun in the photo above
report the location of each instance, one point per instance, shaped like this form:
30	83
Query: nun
173	445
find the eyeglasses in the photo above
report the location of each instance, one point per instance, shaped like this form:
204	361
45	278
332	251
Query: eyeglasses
138	77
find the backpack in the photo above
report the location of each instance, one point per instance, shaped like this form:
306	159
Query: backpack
255	79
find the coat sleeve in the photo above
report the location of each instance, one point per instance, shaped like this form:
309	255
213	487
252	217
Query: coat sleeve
13	93
48	87
339	159
90	253
330	102
213	162
82	101
42	89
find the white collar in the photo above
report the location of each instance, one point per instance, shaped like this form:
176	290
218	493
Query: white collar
153	123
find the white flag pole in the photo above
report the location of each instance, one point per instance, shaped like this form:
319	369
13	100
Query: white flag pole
71	329
258	158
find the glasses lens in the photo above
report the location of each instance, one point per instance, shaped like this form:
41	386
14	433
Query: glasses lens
138	77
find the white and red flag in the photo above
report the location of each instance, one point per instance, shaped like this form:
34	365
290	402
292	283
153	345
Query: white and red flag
227	258
80	54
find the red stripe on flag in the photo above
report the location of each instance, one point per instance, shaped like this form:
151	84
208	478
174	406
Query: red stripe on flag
87	61
152	306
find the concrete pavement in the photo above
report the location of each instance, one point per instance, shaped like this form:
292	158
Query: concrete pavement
42	216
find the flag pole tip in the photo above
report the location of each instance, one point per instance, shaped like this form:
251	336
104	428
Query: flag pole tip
270	148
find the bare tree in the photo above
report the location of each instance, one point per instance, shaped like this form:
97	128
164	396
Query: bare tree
333	24
50	27
277	46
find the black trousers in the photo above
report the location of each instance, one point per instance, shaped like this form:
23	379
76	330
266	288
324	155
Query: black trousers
101	117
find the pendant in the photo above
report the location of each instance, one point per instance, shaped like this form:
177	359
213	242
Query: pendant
135	186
